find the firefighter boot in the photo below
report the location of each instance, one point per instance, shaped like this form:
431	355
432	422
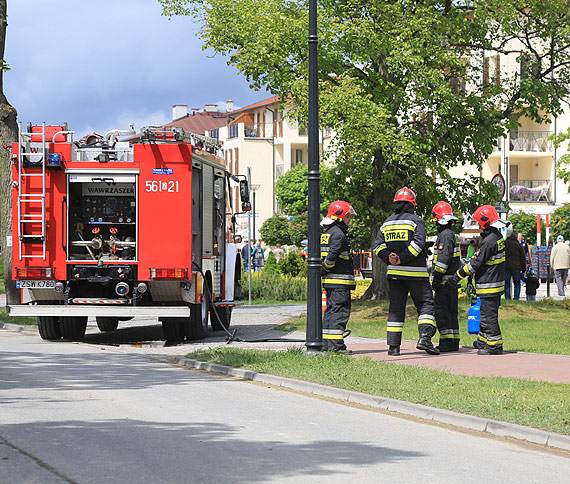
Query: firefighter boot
447	346
489	350
425	344
394	351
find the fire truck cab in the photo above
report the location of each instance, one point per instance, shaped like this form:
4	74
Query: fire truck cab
117	229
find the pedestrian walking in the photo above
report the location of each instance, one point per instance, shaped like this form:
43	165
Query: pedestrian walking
338	274
531	284
515	265
258	257
278	251
526	249
488	267
246	255
560	263
401	244
445	264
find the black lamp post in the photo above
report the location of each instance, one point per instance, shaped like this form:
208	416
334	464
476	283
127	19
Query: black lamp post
314	336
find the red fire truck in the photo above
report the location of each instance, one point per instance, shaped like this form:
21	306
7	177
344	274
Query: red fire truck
116	229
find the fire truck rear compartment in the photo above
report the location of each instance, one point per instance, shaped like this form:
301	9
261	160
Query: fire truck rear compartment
102	219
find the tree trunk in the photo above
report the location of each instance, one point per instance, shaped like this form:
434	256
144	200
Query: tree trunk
8	134
381	200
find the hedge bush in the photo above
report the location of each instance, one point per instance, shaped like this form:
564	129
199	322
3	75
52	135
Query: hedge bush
274	287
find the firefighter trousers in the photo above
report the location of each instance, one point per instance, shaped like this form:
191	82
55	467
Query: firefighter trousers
446	317
490	332
421	293
335	318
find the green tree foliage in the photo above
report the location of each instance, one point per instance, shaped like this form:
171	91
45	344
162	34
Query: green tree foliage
275	230
291	191
525	223
560	222
298	229
401	84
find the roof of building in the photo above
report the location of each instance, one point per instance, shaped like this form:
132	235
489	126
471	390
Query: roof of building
258	104
199	122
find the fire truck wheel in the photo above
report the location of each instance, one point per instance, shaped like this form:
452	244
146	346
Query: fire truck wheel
225	314
173	329
73	327
107	324
196	325
49	327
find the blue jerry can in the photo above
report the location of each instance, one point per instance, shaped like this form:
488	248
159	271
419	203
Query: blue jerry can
474	317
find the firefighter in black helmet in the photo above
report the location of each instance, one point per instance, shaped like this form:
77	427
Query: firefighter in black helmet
401	244
445	264
338	275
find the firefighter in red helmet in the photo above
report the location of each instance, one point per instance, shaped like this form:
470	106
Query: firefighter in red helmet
338	274
401	244
445	265
488	266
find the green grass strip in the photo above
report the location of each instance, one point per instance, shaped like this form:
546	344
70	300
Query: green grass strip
535	404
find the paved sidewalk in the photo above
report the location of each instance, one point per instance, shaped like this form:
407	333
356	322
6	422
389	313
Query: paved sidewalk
466	361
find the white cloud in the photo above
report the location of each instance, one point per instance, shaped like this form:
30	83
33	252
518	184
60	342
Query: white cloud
105	63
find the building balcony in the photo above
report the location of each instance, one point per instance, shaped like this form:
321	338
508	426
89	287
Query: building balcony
258	130
533	141
530	191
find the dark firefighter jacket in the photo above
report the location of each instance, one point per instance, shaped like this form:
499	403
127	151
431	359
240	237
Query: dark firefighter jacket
337	257
487	265
404	234
446	254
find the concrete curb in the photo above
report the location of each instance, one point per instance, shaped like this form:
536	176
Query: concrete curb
492	427
17	327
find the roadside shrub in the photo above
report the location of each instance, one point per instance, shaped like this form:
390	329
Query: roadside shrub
274	287
270	266
361	286
292	265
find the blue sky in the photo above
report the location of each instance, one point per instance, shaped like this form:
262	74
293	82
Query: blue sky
105	64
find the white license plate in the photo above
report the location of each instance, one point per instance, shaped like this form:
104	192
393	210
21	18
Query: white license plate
35	284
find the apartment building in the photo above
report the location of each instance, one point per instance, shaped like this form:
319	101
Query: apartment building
260	137
525	157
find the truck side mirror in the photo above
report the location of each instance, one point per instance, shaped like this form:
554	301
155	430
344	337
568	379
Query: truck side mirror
244	191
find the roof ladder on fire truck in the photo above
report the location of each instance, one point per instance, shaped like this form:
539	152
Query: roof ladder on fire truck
32	196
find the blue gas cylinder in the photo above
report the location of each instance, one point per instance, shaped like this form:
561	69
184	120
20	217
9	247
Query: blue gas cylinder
474	317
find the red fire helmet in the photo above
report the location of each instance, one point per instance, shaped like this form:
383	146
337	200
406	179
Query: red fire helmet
405	195
339	209
442	213
485	216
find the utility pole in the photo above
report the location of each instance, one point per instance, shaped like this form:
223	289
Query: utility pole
314	335
248	255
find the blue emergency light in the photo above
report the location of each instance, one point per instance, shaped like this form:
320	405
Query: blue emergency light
54	160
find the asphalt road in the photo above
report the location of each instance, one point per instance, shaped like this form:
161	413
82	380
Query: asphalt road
81	413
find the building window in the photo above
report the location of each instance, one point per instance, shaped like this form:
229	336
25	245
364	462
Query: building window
233	131
491	72
215	133
530	66
298	157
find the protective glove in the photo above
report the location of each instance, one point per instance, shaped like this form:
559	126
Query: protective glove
454	280
436	285
324	271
